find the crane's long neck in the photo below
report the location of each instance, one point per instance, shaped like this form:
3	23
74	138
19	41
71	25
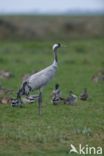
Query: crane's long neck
55	56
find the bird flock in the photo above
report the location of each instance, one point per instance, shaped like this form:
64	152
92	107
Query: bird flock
70	100
38	81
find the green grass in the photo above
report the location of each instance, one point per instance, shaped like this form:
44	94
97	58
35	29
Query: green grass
22	131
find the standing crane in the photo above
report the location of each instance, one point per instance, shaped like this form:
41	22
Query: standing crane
40	79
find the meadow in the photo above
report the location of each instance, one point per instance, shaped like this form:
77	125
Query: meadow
22	131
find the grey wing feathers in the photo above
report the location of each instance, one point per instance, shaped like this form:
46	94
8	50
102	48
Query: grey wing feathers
41	78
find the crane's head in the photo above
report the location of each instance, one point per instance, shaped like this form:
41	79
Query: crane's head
55	46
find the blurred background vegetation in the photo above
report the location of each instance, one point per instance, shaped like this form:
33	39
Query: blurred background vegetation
33	27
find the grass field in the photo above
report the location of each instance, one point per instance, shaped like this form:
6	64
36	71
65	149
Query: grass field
22	131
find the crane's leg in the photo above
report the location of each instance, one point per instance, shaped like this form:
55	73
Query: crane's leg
40	102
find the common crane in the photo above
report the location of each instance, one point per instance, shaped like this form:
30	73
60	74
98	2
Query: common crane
39	79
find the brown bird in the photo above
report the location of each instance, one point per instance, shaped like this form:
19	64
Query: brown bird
84	95
56	95
72	99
